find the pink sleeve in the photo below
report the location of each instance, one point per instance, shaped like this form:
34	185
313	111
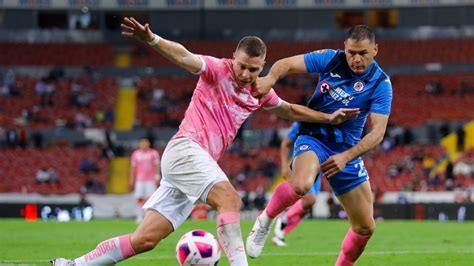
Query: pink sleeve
271	100
210	68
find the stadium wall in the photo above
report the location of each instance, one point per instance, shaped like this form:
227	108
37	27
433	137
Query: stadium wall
393	205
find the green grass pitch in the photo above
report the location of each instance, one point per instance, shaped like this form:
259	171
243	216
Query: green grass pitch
314	242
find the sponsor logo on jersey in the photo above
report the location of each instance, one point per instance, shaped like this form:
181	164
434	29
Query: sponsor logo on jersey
334	75
304	147
325	87
338	94
359	86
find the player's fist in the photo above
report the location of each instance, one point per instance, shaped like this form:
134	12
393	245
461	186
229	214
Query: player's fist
262	86
343	114
132	28
334	164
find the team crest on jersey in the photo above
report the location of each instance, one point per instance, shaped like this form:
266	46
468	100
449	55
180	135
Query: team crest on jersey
304	147
320	51
359	86
325	87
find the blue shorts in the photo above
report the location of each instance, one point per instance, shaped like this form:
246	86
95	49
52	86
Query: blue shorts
350	177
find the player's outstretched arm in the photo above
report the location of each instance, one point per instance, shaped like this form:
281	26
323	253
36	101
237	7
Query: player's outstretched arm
296	112
173	51
281	68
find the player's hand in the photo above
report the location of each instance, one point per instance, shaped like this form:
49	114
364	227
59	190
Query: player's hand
334	164
343	114
131	186
262	86
285	172
132	28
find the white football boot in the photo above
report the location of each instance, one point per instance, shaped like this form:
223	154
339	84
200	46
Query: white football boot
256	238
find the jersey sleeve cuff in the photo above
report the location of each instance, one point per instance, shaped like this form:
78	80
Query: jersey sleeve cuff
203	66
279	103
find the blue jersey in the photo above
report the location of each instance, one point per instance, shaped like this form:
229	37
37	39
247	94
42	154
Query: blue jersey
293	133
339	87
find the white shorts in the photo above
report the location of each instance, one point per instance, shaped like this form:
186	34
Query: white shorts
188	174
144	189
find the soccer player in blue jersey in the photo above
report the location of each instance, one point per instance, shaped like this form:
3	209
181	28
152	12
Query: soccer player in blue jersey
347	78
287	222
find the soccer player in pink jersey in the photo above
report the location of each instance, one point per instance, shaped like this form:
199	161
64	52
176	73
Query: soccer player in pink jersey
144	174
220	104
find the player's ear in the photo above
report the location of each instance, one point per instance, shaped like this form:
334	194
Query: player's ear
376	49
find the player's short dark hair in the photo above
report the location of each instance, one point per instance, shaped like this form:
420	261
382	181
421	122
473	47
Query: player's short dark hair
360	33
253	46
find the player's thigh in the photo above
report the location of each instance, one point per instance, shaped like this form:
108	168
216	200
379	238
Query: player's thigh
224	197
359	208
305	169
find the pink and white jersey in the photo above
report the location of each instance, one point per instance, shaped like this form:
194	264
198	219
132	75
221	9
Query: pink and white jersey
219	107
145	163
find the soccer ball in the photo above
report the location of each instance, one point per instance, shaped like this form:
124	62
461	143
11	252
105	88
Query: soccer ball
198	247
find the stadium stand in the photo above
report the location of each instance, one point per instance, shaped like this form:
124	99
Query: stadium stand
19	166
51	54
393	52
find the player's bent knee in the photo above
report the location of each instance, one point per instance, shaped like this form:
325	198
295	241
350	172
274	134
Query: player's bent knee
300	188
232	202
365	230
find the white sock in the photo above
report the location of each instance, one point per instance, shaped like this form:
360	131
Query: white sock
108	252
230	237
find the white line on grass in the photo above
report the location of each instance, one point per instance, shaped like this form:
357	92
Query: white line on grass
289	254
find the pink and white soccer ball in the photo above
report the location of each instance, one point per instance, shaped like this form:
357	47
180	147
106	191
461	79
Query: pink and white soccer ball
198	247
